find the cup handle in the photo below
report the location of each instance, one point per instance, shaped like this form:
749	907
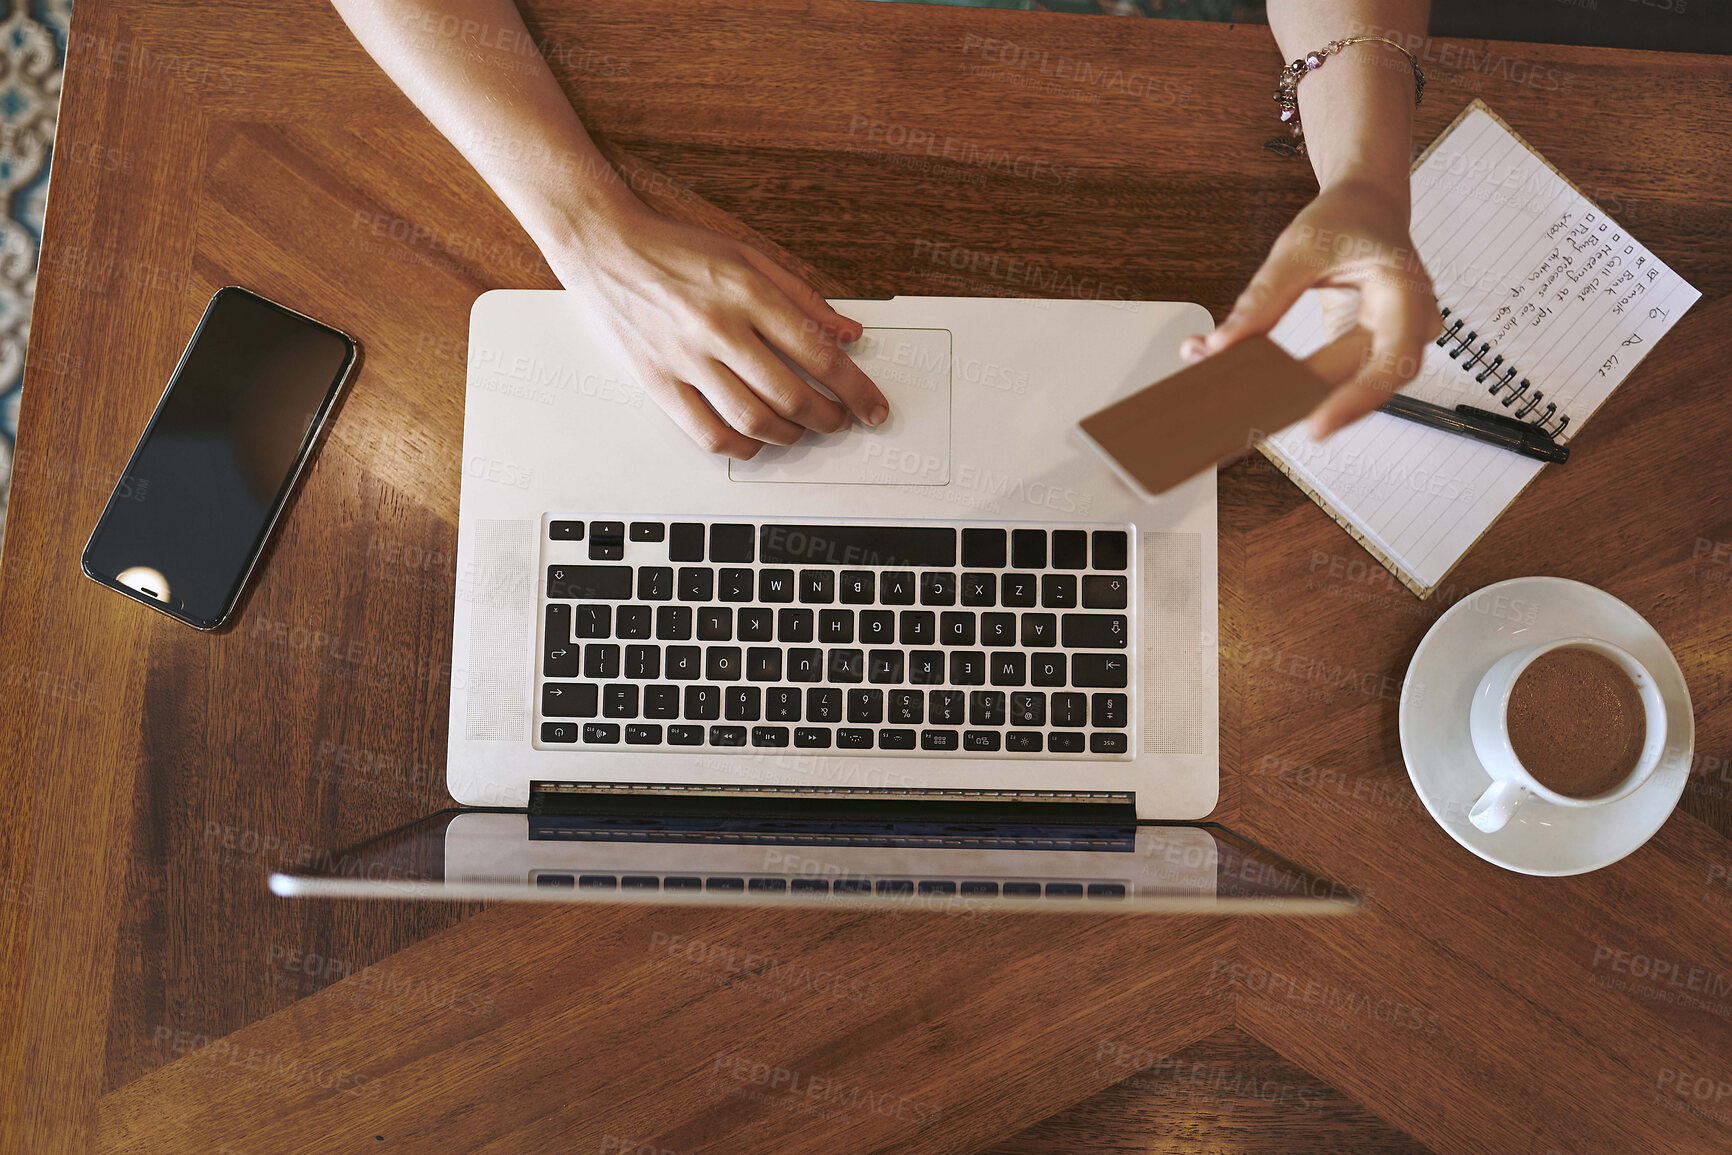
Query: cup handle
1497	805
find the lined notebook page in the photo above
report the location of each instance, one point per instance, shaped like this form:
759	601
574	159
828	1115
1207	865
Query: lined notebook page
1538	274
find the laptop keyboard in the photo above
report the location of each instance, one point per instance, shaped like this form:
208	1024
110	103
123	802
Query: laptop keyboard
930	639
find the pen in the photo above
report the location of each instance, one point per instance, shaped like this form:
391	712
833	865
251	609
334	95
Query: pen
1492	428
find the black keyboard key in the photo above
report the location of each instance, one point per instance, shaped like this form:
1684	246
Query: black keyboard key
968	668
782	704
1109	743
601	733
1057	743
805	665
593	583
776	585
764	664
794	625
684	662
856	587
559	731
697	583
648	531
956	628
986	708
661	701
1064	889
1095	631
1019	589
703	703
905	707
865	705
559	656
925	668
643	734
878	627
1070	710
1110	711
735	585
1058	591
818	586
633	622
1112	549
937	589
1106	890
732	542
742	703
643	663
945	707
853	739
1103	670
601	661
1028	548
939	740
836	627
896	588
1046	669
716	624
619	700
568	700
1008	669
1105	591
847	665
823	704
673	623
896	739
769	735
812	738
988	888
727	735
1028	709
722	663
980	741
606	540
686	541
983	548
655	583
1070	549
937	885
1039	630
998	629
884	667
918	627
685	735
1023	742
979	589
928	547
755	624
565	531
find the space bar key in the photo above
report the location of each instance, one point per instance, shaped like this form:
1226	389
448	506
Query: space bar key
884	545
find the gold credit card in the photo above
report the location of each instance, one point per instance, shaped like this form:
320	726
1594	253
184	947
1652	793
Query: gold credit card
1203	415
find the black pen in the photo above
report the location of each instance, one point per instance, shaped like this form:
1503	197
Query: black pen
1492	428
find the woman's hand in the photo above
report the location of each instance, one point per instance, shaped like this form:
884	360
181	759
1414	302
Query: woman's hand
698	317
1351	241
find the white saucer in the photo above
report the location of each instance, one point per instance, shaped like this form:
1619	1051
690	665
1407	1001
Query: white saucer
1446	668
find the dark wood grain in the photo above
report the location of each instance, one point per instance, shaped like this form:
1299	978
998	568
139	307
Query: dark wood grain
157	999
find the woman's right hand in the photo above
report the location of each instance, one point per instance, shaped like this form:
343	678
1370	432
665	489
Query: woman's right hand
698	318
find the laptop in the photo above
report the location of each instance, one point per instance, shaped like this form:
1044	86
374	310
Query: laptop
949	658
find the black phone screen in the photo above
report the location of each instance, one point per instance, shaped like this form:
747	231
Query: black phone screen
191	513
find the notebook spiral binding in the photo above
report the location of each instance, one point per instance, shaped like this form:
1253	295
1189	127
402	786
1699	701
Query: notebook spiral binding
1548	420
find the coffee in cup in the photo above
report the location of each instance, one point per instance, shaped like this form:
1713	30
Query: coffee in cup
1576	721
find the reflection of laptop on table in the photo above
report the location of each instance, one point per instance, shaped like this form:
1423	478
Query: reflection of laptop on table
948	653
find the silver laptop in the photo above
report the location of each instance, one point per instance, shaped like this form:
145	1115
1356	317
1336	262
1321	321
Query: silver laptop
960	620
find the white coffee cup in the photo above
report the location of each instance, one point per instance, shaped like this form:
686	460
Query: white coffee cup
1511	783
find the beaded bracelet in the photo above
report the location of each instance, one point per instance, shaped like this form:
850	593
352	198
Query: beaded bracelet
1287	96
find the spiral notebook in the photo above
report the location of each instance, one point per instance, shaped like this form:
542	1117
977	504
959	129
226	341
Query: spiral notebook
1548	305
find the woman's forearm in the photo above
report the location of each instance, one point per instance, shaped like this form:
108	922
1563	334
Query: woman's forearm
1358	108
473	71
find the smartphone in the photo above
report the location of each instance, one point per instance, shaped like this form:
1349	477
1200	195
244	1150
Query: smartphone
190	515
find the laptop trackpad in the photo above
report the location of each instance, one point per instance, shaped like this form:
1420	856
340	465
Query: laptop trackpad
912	447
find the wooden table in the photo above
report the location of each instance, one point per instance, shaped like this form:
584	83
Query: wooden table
158	999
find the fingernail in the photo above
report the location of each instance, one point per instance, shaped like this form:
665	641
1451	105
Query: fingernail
1192	349
877	414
